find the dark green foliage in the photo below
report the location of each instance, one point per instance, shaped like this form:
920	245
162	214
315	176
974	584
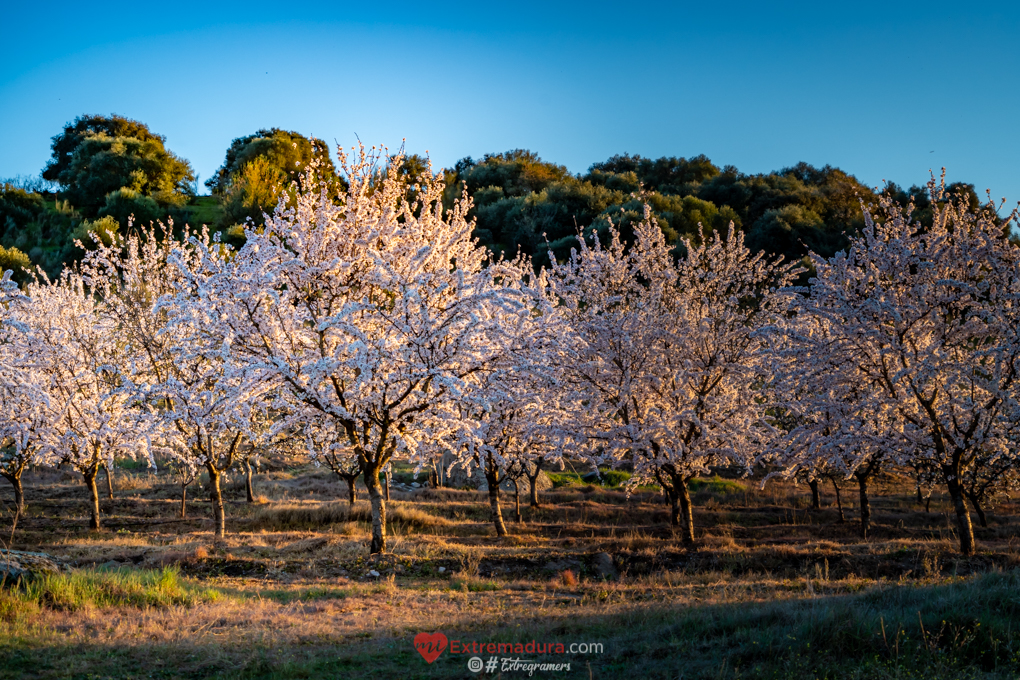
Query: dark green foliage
105	229
794	210
517	173
16	261
37	228
66	143
666	175
110	168
289	152
124	203
523	202
102	165
17	207
261	167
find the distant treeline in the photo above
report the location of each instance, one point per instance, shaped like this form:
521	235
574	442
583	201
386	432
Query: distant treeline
106	169
524	202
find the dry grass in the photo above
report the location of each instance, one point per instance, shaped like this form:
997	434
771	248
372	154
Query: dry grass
318	515
294	584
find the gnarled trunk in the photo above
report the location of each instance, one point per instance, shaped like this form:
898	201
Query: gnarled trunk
967	544
250	491
674	507
216	497
862	483
492	477
19	494
816	501
90	481
686	511
533	482
839	500
352	490
517	499
375	495
982	520
109	481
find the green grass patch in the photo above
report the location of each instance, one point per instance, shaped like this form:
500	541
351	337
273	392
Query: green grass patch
565	479
609	479
134	464
473	584
286	596
86	588
204	210
716	485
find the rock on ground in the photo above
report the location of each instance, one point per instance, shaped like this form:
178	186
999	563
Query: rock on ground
603	565
16	565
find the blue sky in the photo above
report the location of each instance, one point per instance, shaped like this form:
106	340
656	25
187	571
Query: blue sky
883	90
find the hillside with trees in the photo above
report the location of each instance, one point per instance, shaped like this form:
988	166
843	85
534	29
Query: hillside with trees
107	170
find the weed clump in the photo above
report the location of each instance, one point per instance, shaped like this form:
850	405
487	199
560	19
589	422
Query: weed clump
99	588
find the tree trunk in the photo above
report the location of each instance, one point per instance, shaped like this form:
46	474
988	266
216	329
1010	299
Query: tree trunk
982	520
927	503
19	494
682	496
674	507
517	499
962	516
184	501
352	491
375	495
920	498
533	482
219	520
90	481
816	501
839	501
109	482
497	516
248	486
862	482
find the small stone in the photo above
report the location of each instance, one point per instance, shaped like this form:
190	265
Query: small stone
415	485
604	567
442	569
373	572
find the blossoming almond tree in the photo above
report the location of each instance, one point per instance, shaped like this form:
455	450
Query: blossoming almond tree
514	406
822	405
206	408
92	409
328	445
930	316
672	358
368	310
23	424
23	404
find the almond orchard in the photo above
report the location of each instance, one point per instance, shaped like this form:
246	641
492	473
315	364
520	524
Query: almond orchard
672	412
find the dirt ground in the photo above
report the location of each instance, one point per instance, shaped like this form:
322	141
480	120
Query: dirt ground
293	592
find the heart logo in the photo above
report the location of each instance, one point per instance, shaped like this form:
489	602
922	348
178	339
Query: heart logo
430	645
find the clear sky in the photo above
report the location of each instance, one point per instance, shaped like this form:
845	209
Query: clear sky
883	90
